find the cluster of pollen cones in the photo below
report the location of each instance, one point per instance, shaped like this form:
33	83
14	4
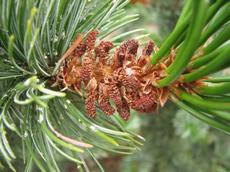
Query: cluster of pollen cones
117	81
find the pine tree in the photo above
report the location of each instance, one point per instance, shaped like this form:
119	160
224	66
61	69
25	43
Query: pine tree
60	85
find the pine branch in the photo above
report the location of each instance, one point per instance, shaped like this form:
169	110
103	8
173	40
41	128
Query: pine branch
36	53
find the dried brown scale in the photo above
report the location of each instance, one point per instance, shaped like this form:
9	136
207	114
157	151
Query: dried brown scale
87	68
73	62
123	78
118	74
119	56
146	103
80	50
102	50
90	104
71	77
132	47
130	81
117	60
129	60
113	91
107	45
91	40
189	87
91	97
128	48
148	49
103	100
124	110
163	96
130	95
142	61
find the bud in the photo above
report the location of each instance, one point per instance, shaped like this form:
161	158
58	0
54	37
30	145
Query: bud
123	78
